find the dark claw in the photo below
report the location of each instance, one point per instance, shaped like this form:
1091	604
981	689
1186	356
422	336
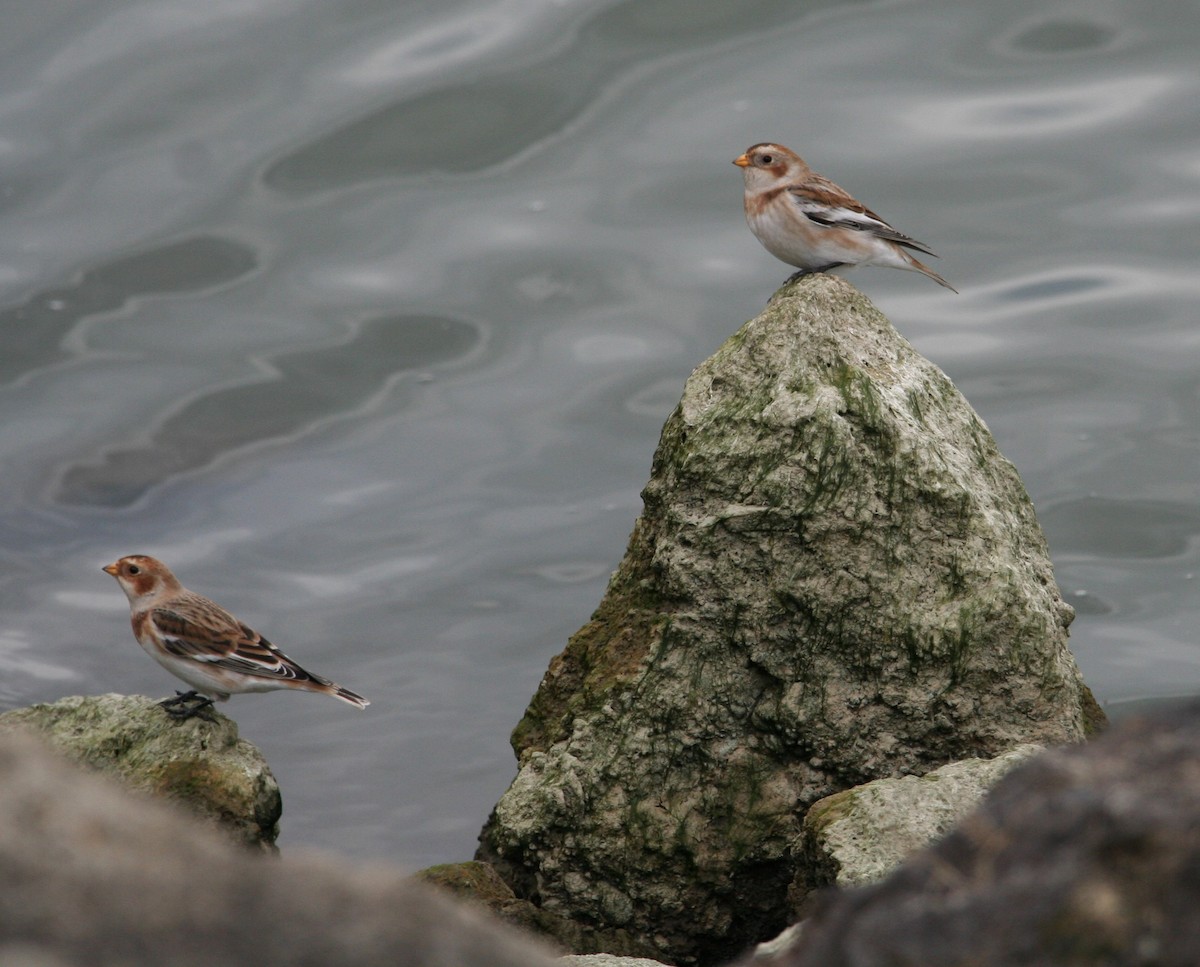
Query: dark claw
186	705
803	272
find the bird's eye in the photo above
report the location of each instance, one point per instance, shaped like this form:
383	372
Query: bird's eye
134	569
765	159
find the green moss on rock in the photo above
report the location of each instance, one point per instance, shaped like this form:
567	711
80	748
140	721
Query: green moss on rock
200	763
836	577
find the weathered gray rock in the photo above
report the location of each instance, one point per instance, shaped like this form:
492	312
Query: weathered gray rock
860	835
607	960
1086	856
96	876
837	577
200	763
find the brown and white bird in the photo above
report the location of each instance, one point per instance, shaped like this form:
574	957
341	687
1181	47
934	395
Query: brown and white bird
200	642
807	221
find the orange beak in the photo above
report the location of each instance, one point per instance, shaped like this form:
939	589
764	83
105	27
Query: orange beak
742	161
110	569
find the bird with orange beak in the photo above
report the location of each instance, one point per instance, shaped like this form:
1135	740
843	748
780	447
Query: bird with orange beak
200	642
807	221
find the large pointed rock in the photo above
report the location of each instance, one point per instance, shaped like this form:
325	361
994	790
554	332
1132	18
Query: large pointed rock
836	577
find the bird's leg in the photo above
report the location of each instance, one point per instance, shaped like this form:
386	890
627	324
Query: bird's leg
185	705
803	272
182	711
181	698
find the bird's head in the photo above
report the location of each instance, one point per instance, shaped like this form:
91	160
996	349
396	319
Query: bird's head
141	576
766	163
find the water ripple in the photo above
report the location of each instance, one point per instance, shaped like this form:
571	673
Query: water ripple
1061	111
1105	527
1059	36
298	392
502	113
35	329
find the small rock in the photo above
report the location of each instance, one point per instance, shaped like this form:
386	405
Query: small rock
478	883
860	835
471	880
200	763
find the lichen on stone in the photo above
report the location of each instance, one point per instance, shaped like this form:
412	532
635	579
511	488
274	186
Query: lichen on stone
201	763
836	577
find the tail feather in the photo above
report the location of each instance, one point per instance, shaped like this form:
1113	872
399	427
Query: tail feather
318	683
922	267
346	695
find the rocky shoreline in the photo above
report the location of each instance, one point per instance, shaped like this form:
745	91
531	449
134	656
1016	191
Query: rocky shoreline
1083	855
834	630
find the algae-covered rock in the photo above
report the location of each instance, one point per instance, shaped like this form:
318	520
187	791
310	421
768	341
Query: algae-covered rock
200	763
859	835
837	577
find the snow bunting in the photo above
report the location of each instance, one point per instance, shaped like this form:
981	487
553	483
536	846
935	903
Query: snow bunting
807	221
196	640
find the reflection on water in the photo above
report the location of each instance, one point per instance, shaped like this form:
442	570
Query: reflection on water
299	392
1103	527
1054	37
412	138
366	318
34	329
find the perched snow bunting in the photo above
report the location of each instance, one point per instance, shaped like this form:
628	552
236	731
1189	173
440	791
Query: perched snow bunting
809	222
202	643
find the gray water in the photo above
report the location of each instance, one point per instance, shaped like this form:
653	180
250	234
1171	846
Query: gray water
365	316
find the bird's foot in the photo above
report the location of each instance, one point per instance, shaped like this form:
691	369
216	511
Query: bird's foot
186	705
803	272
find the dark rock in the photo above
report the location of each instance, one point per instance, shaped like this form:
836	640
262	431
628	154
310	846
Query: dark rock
478	883
1087	856
473	881
97	876
837	577
200	763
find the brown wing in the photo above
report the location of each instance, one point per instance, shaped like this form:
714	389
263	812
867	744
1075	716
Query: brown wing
823	202
198	629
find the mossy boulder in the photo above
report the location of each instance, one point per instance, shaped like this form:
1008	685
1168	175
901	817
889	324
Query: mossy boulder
837	577
200	763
